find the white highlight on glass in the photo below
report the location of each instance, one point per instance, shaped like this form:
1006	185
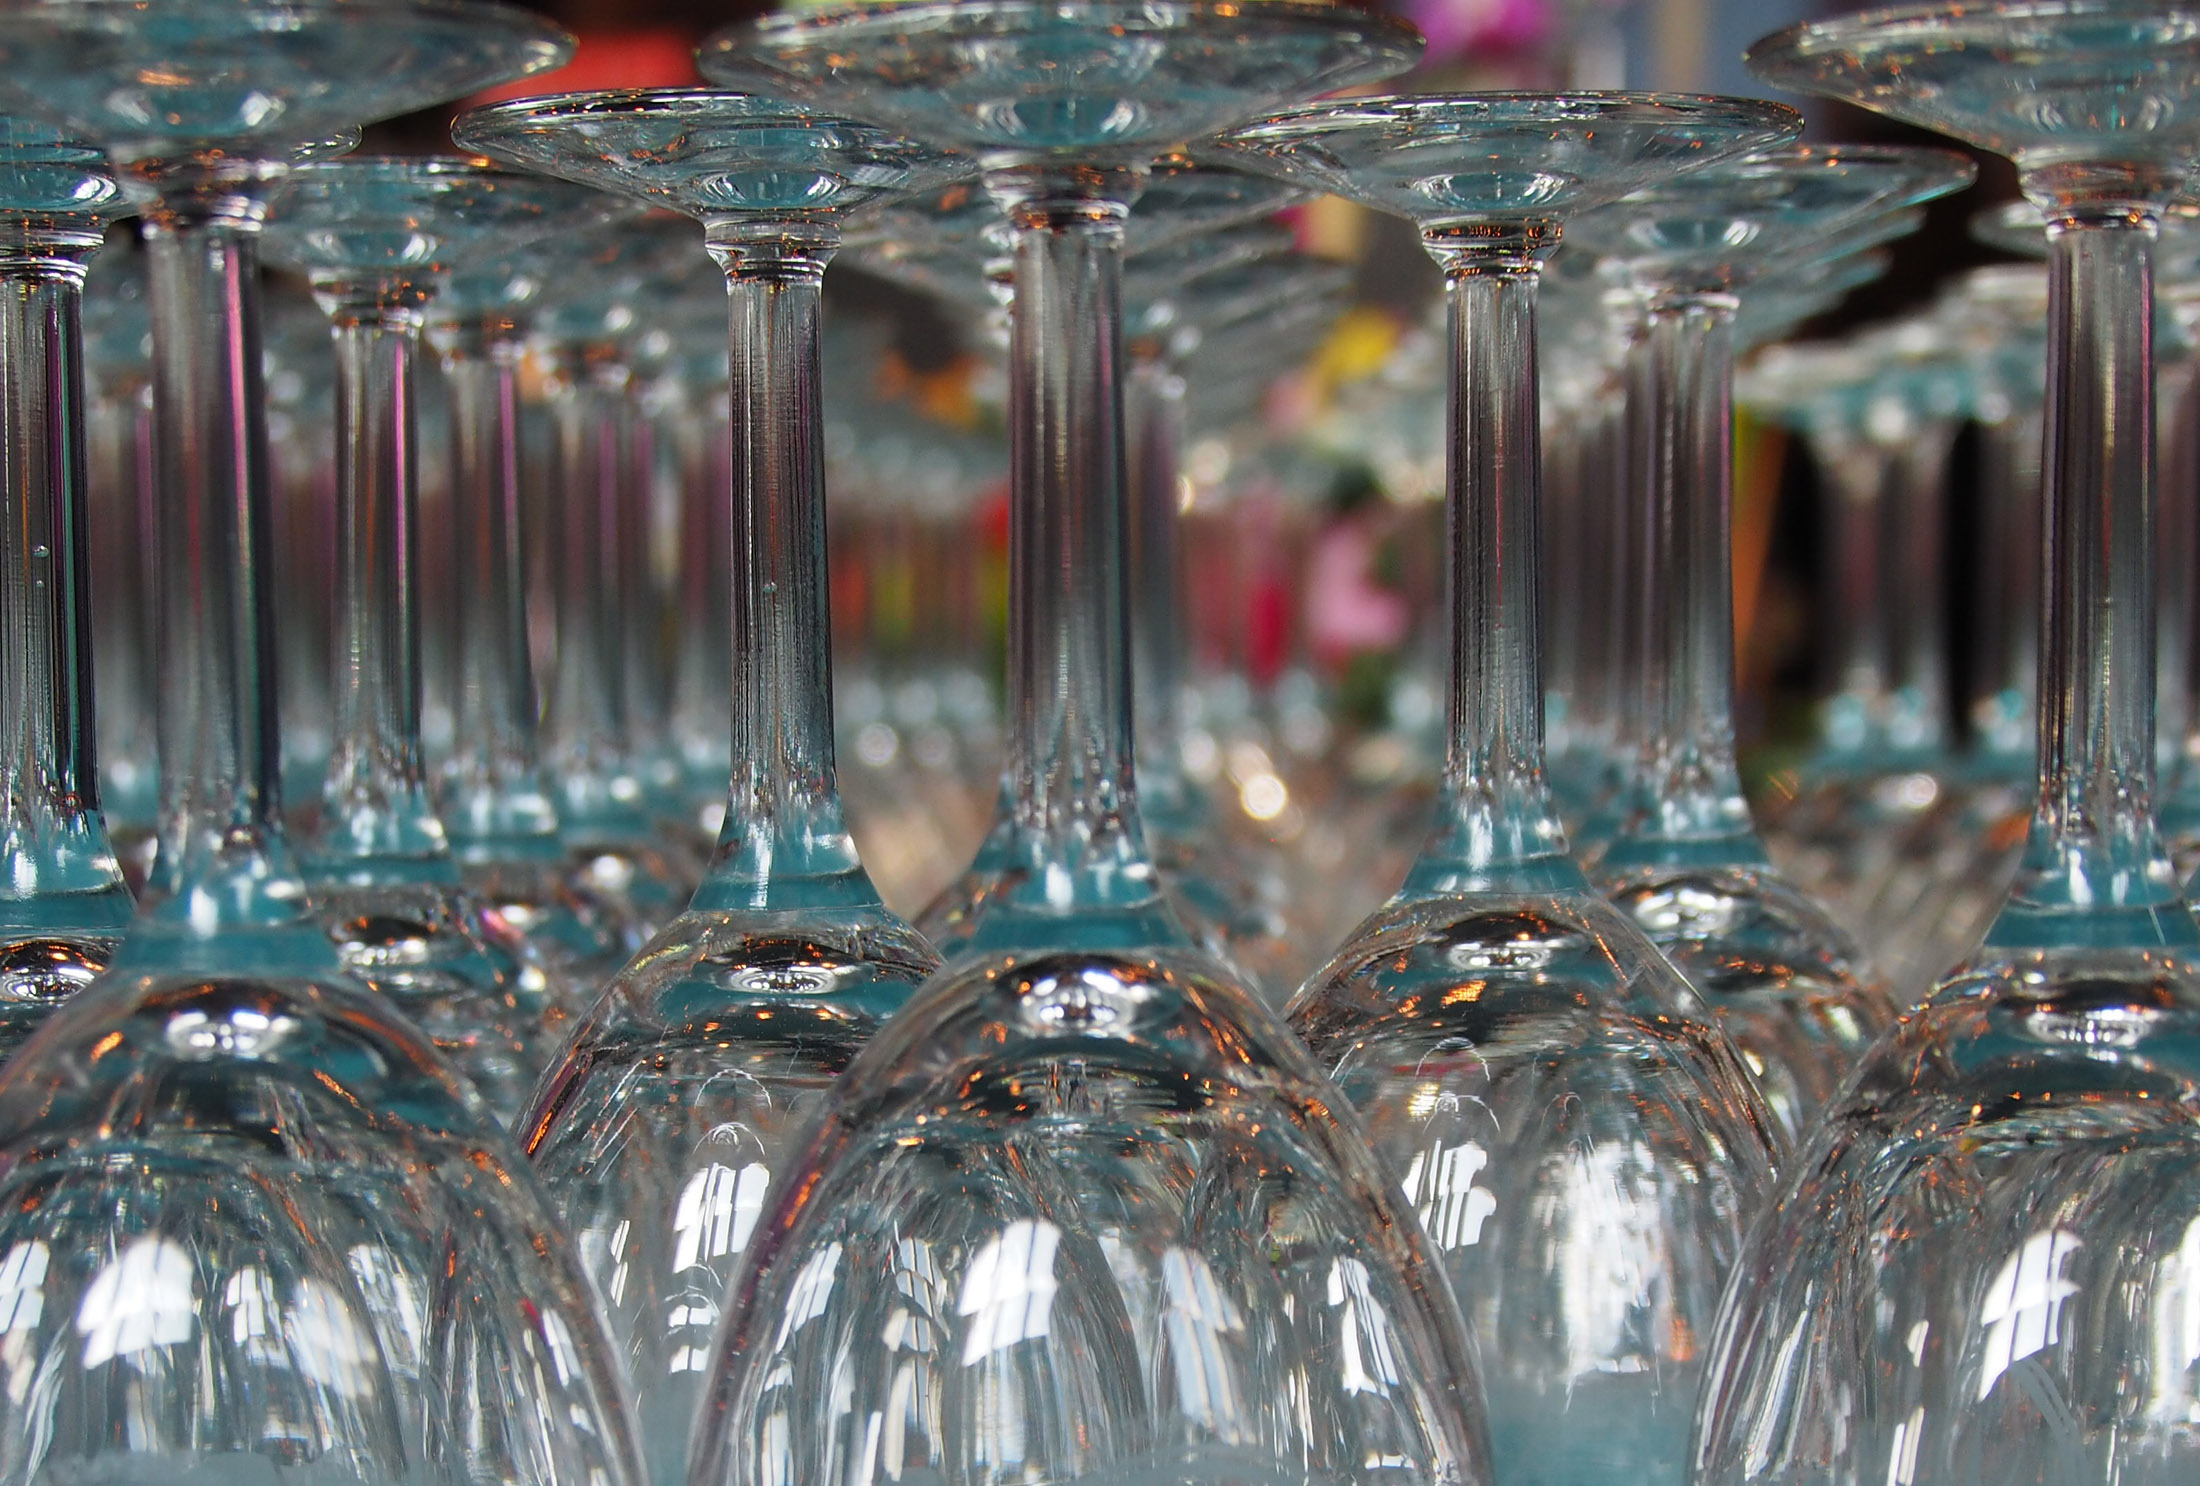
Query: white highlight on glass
145	1298
2022	1311
1009	1289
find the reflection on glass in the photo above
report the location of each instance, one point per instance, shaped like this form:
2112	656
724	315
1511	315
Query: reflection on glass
1967	1276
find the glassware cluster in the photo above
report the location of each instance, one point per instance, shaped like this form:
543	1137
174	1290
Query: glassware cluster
1335	1015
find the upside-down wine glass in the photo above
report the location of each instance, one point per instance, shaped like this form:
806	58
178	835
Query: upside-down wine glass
1793	989
1982	1266
1581	1139
1084	1210
254	1224
375	237
672	1109
499	811
63	902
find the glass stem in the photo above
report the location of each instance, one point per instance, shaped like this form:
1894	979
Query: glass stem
1854	470
785	843
57	868
1685	803
224	889
1156	397
1076	852
2002	715
2094	870
377	821
1918	724
1497	827
498	803
598	797
702	721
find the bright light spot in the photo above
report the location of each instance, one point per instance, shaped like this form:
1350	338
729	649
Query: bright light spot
2022	1311
145	1298
326	1340
1440	1185
1902	1456
1009	1290
1196	1314
811	1293
1263	796
717	1212
876	745
1370	1362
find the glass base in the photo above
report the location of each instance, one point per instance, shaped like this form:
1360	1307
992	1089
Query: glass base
2044	82
1789	985
1112	1187
1982	1269
172	78
669	1114
1124	79
1583	1145
236	1200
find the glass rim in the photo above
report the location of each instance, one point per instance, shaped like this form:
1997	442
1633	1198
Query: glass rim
1523	106
396	10
698	101
1162	15
1772	55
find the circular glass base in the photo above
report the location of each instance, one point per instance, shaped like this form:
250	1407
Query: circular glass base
168	78
1504	157
2044	81
1019	80
707	154
365	216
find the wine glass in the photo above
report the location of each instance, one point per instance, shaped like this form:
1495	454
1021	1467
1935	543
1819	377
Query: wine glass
1977	1270
1687	865
1497	987
254	1223
670	1113
498	808
375	237
1084	1209
64	904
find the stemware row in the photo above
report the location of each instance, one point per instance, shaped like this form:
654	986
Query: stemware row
1068	1186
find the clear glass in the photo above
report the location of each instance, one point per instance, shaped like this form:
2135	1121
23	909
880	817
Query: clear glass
2030	1329
622	853
119	479
1497	984
498	808
63	904
254	1224
674	1108
1687	865
375	237
1176	286
1084	1210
